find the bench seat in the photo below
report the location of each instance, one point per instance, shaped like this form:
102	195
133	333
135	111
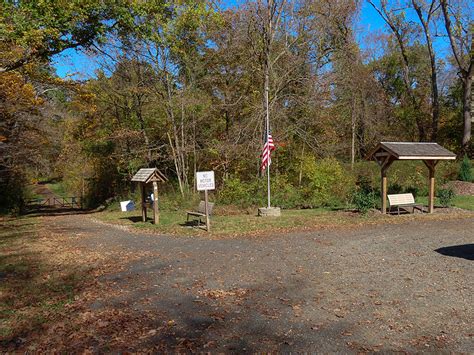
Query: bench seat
404	201
201	211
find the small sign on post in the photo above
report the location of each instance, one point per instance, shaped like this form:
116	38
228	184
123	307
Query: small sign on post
205	182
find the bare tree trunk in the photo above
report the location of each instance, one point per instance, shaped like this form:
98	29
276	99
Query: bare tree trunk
353	130
184	162
145	135
175	160
466	71
434	80
175	147
194	154
466	110
300	177
467	97
175	143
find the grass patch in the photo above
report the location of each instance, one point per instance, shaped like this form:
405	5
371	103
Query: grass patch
247	223
58	189
174	222
464	202
36	284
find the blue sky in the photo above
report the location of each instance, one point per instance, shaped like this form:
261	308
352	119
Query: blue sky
78	65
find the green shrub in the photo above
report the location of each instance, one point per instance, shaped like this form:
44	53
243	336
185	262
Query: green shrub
364	183
465	172
240	193
395	188
325	182
254	193
445	196
284	194
12	194
415	191
447	171
174	201
364	200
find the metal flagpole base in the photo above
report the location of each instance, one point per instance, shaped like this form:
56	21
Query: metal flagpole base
269	212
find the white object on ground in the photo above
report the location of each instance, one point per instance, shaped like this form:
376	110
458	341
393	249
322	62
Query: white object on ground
127	205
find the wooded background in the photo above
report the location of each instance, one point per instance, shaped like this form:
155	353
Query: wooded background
180	87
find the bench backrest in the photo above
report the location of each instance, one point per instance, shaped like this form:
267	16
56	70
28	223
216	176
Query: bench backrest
202	207
400	199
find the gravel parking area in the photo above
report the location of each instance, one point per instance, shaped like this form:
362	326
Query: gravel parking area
400	287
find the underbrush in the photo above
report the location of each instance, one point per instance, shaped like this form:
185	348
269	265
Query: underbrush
324	183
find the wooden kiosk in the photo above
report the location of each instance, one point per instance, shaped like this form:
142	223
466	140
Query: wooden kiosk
145	177
430	153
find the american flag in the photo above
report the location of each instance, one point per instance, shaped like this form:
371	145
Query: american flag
267	149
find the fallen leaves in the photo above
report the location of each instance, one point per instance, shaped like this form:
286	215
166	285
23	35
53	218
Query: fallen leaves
220	294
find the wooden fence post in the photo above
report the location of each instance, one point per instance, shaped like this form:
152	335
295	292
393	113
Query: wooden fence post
143	204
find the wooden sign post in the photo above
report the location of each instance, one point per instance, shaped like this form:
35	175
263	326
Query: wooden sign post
205	182
206	201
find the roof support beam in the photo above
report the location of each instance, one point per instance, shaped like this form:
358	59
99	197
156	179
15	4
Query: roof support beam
384	167
431	165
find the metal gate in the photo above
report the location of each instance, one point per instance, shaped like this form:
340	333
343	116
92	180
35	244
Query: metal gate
57	202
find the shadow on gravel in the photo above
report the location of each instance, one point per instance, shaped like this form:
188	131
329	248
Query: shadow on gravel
464	251
136	219
57	211
194	224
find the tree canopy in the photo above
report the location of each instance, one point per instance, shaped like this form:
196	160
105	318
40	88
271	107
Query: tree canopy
181	86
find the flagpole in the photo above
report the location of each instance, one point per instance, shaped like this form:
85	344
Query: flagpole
267	89
267	36
268	142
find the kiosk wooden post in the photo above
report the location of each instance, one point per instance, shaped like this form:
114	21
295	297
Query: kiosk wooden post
384	190
432	191
156	212
431	165
143	202
384	161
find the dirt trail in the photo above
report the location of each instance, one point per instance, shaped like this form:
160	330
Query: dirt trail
44	191
379	288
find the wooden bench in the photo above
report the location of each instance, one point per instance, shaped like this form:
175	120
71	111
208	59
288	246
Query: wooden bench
201	211
404	201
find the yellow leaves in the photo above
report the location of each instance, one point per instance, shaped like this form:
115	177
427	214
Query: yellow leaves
84	102
18	94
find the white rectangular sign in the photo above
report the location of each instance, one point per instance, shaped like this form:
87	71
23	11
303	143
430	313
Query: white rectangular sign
205	180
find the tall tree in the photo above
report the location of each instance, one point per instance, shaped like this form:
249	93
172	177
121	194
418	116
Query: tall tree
425	13
460	30
394	15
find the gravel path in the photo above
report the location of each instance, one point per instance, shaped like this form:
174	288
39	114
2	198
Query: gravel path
406	287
